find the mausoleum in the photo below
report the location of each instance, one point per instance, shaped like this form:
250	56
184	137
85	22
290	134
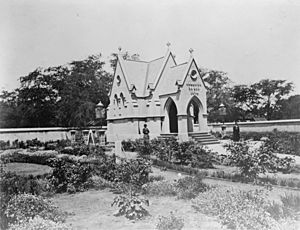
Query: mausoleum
169	97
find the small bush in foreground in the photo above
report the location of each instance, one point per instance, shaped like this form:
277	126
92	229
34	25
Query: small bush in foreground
236	209
25	206
170	222
38	223
189	187
132	207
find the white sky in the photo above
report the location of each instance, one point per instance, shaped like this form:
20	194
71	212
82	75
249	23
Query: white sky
249	39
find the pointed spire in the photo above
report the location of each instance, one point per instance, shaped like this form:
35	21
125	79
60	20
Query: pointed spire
191	52
168	45
120	49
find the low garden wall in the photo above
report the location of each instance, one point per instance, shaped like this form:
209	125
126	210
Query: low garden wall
260	126
44	134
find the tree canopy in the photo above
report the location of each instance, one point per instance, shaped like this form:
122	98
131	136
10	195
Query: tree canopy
58	96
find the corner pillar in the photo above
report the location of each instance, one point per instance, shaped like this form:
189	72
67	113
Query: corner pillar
183	127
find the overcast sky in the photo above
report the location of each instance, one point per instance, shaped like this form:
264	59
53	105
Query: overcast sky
250	40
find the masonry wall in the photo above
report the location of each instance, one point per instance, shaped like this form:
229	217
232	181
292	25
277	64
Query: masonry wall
260	126
132	128
42	134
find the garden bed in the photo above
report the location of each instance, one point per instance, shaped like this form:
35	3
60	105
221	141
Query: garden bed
27	169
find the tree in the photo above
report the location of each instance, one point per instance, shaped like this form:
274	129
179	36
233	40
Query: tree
272	92
10	116
289	108
219	91
84	86
246	101
37	99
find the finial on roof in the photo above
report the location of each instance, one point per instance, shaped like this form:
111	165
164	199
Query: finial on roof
168	44
191	51
120	49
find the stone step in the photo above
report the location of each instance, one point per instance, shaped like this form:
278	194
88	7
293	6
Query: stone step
204	138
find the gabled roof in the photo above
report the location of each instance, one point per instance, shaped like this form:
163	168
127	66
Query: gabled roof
141	75
144	76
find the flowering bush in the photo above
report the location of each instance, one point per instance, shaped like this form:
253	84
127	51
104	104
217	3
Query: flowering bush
25	206
236	209
38	223
170	222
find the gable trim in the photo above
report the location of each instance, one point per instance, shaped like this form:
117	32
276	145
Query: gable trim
181	83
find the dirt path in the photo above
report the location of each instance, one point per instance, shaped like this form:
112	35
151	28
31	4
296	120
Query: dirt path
92	210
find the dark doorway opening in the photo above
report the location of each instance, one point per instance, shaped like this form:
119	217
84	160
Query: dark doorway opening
173	118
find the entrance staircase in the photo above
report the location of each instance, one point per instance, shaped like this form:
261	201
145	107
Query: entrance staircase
203	138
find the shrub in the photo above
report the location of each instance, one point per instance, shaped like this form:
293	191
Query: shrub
236	209
132	207
23	156
251	163
69	177
129	145
133	171
160	188
98	182
170	222
156	178
291	205
279	142
38	223
189	187
25	206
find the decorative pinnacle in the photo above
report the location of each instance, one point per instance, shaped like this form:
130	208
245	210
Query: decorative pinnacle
168	44
191	51
120	48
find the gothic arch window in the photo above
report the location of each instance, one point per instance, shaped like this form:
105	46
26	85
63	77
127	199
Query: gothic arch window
123	100
116	101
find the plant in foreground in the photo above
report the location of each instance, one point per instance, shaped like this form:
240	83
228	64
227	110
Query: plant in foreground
170	222
25	206
132	207
38	223
236	209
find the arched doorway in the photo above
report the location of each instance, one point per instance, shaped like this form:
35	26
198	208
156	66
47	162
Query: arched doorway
194	109
172	113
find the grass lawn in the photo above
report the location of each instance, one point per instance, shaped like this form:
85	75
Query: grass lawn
27	169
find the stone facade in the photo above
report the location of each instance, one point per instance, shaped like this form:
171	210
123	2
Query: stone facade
168	97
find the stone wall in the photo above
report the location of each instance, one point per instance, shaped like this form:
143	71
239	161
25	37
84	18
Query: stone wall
42	134
260	126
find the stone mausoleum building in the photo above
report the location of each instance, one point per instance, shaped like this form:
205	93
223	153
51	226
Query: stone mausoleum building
169	97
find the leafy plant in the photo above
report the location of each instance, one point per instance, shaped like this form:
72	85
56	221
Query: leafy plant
189	187
132	207
39	223
253	162
26	206
69	177
236	209
134	171
170	222
160	188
